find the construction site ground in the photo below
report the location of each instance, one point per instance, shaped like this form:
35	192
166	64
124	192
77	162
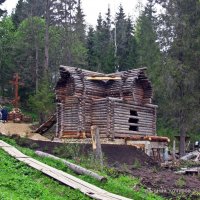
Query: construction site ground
20	129
126	159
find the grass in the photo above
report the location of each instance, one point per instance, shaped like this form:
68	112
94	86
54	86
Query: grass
20	182
26	183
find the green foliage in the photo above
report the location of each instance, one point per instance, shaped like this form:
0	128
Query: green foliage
29	52
137	164
180	182
179	103
68	151
7	39
42	101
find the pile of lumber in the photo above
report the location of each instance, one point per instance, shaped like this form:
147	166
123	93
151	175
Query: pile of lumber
16	115
194	156
189	171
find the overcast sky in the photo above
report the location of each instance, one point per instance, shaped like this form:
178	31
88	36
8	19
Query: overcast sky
92	8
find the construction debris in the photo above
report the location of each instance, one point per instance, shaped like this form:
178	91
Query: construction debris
195	155
189	171
17	116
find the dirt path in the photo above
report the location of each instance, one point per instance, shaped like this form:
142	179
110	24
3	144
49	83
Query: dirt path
20	129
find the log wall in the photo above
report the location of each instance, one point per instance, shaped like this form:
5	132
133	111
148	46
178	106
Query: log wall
118	107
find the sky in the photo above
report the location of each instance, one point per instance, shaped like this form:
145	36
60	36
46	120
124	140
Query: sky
92	8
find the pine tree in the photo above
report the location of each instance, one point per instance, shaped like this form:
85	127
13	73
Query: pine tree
121	38
131	46
99	43
79	23
179	40
148	51
125	41
108	64
91	53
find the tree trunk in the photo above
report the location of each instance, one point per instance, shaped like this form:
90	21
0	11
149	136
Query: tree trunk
77	169
182	141
46	60
36	66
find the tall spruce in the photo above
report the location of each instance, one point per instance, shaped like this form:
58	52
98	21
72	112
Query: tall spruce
125	42
179	39
79	23
25	9
108	44
121	24
91	53
131	46
148	50
99	43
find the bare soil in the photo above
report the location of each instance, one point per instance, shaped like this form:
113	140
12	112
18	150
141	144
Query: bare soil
20	129
168	184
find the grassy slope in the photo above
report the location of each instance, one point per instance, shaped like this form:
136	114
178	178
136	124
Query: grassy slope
19	181
31	184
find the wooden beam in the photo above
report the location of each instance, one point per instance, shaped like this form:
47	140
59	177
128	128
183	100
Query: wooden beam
93	78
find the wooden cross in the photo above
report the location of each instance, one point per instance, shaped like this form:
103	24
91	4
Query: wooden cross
15	82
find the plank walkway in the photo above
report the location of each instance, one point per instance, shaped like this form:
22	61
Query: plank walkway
67	179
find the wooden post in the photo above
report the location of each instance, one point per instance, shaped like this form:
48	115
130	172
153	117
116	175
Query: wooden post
96	144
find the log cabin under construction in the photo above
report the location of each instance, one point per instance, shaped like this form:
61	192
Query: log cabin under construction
120	104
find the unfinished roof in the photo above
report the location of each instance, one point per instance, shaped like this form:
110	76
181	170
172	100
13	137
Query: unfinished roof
131	84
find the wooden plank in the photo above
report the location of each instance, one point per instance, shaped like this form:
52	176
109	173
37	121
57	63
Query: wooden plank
102	78
67	179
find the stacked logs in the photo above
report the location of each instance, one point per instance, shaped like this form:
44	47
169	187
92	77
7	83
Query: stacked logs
118	107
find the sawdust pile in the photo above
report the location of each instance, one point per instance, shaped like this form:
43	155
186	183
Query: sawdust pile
20	129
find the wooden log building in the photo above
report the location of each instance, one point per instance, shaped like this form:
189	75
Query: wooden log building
120	104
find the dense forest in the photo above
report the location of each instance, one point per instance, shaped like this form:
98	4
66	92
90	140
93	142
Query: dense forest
42	34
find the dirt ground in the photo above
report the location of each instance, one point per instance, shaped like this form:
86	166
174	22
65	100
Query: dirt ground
20	129
168	184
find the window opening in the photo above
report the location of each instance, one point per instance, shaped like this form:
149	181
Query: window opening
133	121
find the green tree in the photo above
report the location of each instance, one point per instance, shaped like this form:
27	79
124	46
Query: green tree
30	50
179	38
148	52
125	45
79	23
25	9
7	66
91	53
42	103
